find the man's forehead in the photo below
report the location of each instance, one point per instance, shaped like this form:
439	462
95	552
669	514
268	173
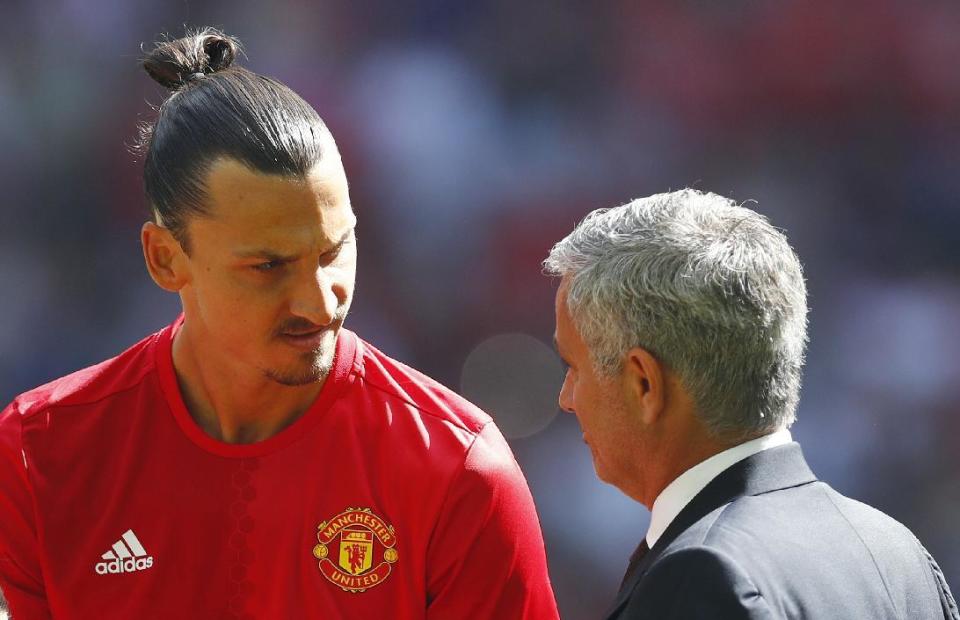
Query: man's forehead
229	176
254	214
560	301
238	193
565	335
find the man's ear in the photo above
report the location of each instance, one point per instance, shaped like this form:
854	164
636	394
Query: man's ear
645	380
165	259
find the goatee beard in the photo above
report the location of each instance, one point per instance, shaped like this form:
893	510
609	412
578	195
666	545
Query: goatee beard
319	367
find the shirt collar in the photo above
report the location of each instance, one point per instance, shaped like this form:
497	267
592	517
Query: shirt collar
685	487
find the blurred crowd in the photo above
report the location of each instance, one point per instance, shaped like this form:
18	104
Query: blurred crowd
475	135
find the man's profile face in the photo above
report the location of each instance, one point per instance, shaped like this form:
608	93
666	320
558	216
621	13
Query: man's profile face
272	269
598	402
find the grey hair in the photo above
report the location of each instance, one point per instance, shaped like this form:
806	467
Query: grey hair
708	287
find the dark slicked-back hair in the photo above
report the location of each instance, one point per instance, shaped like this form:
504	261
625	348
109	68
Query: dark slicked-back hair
217	110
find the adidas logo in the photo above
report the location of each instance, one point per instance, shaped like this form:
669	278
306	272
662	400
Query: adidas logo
126	556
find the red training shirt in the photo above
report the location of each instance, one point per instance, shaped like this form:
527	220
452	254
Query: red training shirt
391	497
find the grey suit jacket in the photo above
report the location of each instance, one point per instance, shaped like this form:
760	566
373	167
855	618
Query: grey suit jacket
766	539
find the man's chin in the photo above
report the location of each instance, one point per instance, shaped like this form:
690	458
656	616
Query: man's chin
600	470
295	380
313	368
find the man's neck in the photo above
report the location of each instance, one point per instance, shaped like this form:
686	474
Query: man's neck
679	460
234	406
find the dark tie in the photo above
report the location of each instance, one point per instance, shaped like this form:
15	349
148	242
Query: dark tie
638	554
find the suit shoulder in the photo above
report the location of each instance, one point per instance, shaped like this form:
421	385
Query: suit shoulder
781	514
91	384
434	402
809	544
899	556
866	518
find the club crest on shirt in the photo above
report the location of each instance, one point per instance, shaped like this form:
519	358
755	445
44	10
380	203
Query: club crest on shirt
356	549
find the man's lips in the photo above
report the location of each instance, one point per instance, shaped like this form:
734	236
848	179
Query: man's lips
306	341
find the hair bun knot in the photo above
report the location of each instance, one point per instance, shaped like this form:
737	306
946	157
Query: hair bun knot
179	62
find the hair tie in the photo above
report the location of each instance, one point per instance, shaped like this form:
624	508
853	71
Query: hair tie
193	77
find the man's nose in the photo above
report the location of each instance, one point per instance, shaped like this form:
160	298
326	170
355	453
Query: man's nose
316	298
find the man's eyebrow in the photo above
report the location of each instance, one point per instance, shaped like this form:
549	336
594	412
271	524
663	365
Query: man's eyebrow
264	253
273	255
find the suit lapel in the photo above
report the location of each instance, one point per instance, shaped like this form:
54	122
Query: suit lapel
778	468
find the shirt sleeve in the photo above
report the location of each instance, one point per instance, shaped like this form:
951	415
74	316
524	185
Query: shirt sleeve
20	574
486	558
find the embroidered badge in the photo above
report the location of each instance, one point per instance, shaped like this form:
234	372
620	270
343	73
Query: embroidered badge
356	549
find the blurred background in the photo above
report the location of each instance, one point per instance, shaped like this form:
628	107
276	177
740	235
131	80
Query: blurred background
475	135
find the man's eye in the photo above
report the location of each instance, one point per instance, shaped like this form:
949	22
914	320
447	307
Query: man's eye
270	265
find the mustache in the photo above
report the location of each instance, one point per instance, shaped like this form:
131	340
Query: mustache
300	325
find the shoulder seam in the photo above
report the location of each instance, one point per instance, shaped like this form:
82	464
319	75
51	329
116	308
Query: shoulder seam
28	478
886	587
422	409
60	405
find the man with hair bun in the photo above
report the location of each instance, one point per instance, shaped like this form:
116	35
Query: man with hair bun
682	320
256	459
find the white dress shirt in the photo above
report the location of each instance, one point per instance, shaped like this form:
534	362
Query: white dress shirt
685	487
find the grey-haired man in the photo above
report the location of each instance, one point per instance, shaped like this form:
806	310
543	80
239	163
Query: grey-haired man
682	320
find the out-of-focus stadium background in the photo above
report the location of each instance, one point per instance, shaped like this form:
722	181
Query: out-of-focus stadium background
476	134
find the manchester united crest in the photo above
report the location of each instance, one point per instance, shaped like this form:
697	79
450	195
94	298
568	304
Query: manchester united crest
356	549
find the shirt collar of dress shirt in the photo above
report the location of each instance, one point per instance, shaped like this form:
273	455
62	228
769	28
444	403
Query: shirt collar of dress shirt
685	487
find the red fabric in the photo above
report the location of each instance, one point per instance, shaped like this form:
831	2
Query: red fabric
416	485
